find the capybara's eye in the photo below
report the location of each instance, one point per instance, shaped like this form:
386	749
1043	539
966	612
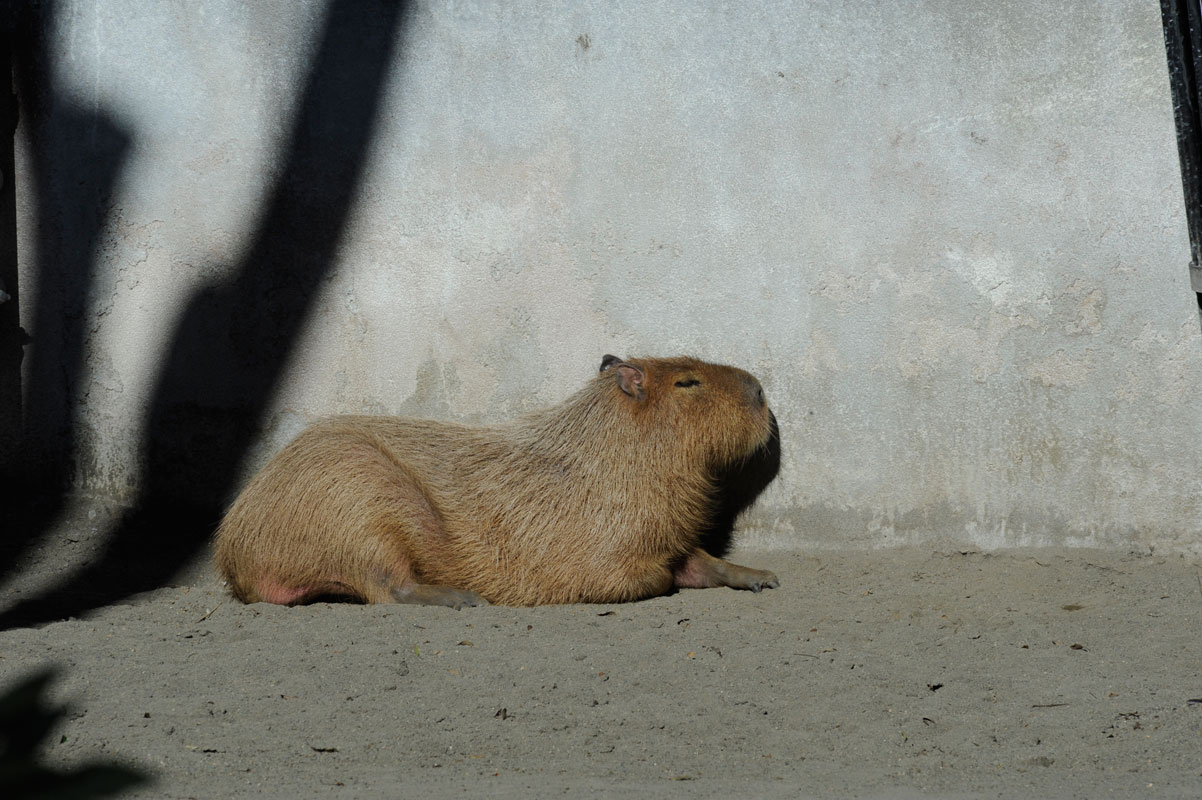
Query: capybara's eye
687	382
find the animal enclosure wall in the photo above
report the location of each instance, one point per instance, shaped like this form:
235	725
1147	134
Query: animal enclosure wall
948	237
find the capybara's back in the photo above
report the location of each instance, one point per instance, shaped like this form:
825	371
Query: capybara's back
599	499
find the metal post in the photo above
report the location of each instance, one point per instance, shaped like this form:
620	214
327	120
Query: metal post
12	338
1183	44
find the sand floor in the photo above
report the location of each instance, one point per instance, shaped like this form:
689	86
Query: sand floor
1041	673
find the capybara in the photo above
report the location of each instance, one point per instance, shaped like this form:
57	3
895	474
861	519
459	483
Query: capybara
597	500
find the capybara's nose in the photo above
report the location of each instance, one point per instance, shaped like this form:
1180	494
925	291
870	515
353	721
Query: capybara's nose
755	392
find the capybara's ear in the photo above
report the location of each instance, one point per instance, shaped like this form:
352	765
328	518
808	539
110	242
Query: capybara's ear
630	379
608	361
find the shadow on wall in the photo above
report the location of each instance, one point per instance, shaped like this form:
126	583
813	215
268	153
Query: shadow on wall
85	152
234	338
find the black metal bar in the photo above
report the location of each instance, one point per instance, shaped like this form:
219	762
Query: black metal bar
1183	45
12	338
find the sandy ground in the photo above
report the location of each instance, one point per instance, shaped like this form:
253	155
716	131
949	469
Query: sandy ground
1059	674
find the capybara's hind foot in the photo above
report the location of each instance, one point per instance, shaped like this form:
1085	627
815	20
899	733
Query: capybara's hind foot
429	594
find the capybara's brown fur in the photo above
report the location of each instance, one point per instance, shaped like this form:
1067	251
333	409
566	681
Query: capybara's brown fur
599	499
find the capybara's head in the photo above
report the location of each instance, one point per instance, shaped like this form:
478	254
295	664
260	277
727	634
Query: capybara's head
707	413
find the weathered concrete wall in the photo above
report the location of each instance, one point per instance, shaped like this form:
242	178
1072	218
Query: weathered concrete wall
948	236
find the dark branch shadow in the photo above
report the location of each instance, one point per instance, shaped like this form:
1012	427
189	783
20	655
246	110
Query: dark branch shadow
235	338
738	488
27	724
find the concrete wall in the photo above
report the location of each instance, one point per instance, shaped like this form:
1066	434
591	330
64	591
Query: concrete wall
948	236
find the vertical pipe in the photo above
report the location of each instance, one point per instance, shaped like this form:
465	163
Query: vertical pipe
12	338
1182	21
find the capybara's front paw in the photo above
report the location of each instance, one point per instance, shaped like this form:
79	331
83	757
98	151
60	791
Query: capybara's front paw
751	579
702	570
763	580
